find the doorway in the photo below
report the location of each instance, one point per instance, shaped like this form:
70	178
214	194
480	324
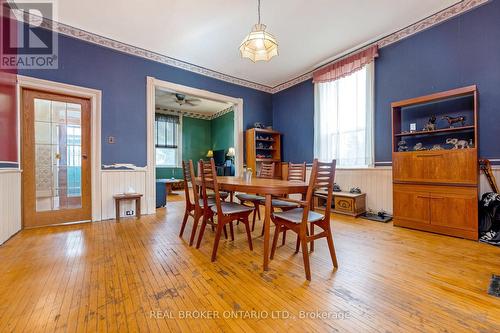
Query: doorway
56	158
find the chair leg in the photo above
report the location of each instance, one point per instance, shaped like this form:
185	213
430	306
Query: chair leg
231	230
184	222
305	256
249	233
253	220
195	226
202	231
225	231
216	241
297	245
312	234
277	231
256	204
331	247
284	237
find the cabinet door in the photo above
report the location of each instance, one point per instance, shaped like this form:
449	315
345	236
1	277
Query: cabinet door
455	208
438	167
411	205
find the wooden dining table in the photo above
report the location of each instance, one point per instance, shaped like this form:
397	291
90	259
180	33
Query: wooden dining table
266	188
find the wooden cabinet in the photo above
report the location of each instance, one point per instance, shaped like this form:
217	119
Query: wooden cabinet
437	190
263	146
449	210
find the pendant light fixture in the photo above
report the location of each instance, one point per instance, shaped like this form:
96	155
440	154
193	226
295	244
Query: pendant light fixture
259	45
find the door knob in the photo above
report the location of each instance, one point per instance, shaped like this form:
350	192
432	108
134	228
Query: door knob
84	156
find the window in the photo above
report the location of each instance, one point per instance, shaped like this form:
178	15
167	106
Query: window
167	140
343	119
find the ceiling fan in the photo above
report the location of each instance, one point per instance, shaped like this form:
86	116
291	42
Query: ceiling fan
182	99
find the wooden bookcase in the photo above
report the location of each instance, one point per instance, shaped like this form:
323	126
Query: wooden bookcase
436	190
263	145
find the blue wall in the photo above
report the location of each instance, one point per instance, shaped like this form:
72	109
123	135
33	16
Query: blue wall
122	80
459	52
293	115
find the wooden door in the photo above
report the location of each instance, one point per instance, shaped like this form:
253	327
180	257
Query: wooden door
55	159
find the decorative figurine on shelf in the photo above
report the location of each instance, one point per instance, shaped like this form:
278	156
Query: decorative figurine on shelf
355	190
336	188
471	143
419	146
458	144
431	124
437	147
258	125
454	120
402	146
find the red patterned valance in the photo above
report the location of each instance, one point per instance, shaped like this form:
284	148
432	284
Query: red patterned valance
345	66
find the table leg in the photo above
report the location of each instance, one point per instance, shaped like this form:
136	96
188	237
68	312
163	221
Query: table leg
138	208
267	227
117	208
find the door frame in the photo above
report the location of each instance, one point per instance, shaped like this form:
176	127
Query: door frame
26	82
151	84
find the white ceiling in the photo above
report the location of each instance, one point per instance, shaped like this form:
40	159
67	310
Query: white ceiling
208	33
166	100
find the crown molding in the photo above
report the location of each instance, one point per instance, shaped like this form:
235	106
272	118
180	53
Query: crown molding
444	15
440	17
197	115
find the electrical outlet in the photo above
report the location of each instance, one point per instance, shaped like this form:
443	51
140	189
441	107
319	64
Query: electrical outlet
111	140
129	212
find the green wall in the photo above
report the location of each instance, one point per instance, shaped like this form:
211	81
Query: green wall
198	136
223	131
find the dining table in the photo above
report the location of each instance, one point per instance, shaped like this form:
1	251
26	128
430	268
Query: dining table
264	187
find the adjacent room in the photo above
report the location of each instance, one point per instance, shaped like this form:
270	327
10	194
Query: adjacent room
250	166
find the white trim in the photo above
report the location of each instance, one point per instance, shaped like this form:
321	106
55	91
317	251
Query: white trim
153	83
95	125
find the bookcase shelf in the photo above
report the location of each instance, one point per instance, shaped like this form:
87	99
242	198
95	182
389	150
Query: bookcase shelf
268	152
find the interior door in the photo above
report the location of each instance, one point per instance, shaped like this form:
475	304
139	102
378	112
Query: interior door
55	158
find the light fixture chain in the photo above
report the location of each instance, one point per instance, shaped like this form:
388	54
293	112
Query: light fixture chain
258	9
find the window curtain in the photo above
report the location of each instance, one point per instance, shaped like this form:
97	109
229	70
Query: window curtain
167	127
343	119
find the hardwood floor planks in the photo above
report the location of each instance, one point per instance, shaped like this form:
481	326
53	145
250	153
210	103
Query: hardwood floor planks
118	277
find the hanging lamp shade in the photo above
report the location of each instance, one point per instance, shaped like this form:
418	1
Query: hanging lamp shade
259	45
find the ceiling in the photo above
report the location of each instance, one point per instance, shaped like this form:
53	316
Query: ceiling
208	33
167	100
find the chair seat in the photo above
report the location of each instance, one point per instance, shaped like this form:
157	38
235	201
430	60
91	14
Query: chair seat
210	202
249	197
280	203
232	208
295	215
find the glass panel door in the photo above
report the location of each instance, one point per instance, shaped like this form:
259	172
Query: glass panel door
58	155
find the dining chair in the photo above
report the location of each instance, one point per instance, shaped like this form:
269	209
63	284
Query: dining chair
226	212
197	208
296	172
210	194
266	171
299	219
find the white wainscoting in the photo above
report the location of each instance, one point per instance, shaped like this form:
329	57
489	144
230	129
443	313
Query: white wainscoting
375	182
119	181
10	203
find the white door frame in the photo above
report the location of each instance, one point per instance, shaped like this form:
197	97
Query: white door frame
151	85
95	126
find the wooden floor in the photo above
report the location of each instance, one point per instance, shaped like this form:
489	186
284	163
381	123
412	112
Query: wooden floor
140	276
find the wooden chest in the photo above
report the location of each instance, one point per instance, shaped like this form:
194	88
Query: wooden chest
346	203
